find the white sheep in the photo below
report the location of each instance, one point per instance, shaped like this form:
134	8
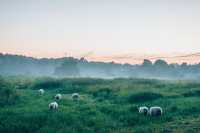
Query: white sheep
58	96
155	111
75	96
143	110
53	105
41	91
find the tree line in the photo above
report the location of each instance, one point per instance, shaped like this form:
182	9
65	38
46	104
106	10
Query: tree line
73	67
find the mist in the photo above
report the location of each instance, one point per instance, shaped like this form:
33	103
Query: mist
73	67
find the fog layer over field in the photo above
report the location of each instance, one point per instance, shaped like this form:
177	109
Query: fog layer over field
72	67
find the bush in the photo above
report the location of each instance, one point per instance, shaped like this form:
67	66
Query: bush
8	96
191	93
143	97
86	81
48	84
104	93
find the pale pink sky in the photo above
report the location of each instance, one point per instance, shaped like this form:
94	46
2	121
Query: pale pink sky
107	29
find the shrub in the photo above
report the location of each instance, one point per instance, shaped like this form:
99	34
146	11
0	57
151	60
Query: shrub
191	93
143	97
104	93
8	96
48	84
86	81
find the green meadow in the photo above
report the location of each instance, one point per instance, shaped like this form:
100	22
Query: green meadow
105	105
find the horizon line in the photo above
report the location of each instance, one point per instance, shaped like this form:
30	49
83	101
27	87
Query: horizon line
125	59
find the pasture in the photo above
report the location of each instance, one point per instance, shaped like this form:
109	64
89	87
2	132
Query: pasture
104	106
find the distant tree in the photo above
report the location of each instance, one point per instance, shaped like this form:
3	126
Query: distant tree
68	68
147	63
184	65
161	63
82	59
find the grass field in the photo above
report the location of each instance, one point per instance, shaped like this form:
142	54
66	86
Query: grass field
105	106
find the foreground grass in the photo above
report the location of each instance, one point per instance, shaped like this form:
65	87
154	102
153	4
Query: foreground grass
104	106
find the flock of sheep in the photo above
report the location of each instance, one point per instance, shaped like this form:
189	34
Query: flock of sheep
153	111
54	105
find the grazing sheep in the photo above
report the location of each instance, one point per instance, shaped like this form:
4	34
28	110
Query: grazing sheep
41	91
155	111
53	105
75	96
143	110
58	96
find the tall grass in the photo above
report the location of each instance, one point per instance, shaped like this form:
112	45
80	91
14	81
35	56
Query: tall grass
8	96
105	105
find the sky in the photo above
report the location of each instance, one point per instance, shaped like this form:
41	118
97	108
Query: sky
124	31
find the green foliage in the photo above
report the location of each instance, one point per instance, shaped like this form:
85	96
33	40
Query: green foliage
103	94
144	97
192	93
47	83
8	96
104	105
